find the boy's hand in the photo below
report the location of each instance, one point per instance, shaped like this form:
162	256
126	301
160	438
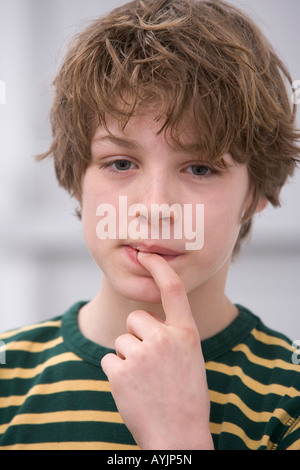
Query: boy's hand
158	376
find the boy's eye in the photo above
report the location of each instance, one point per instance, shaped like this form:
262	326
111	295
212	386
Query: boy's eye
118	165
121	165
199	170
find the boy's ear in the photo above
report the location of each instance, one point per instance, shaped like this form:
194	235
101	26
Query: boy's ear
262	204
77	197
78	209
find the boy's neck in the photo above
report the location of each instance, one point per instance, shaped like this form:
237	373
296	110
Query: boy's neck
104	318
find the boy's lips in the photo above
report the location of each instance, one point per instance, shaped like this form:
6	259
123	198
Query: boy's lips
168	254
159	250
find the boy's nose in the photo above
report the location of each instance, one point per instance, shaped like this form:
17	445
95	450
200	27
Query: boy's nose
161	198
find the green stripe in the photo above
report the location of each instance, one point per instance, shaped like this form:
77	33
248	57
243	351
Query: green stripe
253	394
60	432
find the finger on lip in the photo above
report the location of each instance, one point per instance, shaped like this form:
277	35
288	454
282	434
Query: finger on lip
146	254
154	263
156	251
143	255
174	297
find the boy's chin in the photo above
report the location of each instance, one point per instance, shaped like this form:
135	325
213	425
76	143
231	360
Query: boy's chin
147	293
144	298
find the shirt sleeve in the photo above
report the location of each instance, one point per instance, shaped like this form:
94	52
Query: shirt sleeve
291	439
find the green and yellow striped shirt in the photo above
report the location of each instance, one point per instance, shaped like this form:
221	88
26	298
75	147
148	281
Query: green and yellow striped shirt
54	394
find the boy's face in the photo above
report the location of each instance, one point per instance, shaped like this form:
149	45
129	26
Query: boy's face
143	167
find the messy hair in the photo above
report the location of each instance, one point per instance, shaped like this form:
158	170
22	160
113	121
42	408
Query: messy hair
201	59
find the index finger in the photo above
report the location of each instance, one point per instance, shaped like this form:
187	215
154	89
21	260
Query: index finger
174	298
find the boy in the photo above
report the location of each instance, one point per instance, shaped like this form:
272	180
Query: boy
178	103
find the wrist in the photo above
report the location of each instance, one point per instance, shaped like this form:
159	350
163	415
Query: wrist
203	442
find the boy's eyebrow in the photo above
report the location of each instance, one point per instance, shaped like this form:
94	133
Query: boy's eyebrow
119	141
134	145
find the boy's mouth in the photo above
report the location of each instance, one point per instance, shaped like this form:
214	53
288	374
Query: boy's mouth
166	253
156	249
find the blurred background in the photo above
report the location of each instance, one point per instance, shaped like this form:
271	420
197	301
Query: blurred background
45	266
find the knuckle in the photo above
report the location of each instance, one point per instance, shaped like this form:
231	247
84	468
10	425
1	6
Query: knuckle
109	365
132	317
160	338
174	286
191	337
136	351
118	343
119	340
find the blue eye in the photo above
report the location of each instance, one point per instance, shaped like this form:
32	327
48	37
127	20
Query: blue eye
199	170
121	165
118	166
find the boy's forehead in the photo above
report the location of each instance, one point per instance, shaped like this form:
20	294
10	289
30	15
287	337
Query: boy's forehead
131	136
132	132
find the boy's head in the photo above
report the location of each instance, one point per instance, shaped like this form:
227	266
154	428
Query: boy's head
201	62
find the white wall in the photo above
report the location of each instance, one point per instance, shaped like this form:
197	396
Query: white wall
44	264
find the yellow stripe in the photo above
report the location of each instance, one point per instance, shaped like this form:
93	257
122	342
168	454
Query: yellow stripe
35	326
72	446
63	417
234	399
57	387
31	346
268	363
294	446
231	428
22	373
271	340
256	416
251	383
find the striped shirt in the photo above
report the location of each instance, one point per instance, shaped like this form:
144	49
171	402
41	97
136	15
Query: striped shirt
54	394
